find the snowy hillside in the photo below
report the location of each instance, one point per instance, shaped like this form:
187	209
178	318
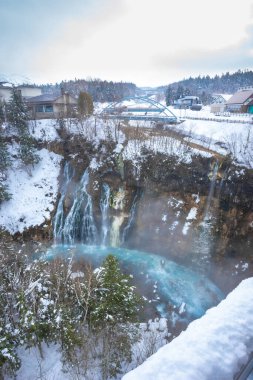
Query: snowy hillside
33	194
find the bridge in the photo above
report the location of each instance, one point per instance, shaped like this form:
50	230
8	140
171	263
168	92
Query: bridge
139	108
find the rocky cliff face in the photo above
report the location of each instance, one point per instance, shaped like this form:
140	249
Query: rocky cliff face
200	212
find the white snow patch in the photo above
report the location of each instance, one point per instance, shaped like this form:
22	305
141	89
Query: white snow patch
196	198
161	144
174	224
34	367
94	165
213	347
186	228
44	129
118	148
222	137
164	218
75	275
33	196
182	308
192	214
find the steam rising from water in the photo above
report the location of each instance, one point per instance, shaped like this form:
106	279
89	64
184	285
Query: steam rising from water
175	283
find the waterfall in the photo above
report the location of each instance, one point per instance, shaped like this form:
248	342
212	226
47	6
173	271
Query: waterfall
79	224
104	207
211	191
115	230
130	220
58	222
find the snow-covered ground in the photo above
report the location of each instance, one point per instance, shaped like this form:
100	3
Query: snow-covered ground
213	347
45	130
160	144
205	113
33	194
152	336
224	138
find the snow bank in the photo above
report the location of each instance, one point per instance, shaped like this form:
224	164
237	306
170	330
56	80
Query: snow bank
33	196
222	137
162	144
212	347
44	129
34	367
205	112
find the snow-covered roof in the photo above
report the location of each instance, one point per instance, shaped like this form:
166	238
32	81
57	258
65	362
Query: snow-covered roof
240	97
190	97
5	85
226	97
43	98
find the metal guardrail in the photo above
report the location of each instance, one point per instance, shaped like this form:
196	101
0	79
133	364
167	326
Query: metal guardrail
246	370
218	120
161	119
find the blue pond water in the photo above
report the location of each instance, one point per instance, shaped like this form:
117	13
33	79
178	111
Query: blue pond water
176	284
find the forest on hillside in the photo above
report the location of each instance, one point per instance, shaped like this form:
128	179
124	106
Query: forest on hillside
100	90
205	86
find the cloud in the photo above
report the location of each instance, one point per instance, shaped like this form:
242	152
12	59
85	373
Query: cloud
232	57
144	41
25	25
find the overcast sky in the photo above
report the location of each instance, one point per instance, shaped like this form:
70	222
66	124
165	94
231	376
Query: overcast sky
148	42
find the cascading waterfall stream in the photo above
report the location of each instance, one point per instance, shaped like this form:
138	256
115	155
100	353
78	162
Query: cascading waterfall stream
58	221
203	242
104	207
130	220
79	224
211	192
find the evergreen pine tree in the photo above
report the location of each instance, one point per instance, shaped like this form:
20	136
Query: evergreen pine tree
113	313
18	116
5	162
169	96
17	113
117	301
2	113
27	151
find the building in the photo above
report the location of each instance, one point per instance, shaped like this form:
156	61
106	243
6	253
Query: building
219	103
241	101
192	102
26	91
48	106
5	91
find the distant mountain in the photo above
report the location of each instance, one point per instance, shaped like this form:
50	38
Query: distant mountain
205	86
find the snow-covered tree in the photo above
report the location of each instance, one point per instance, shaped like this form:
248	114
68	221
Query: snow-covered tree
18	117
2	113
17	112
5	163
113	316
27	152
86	313
116	301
